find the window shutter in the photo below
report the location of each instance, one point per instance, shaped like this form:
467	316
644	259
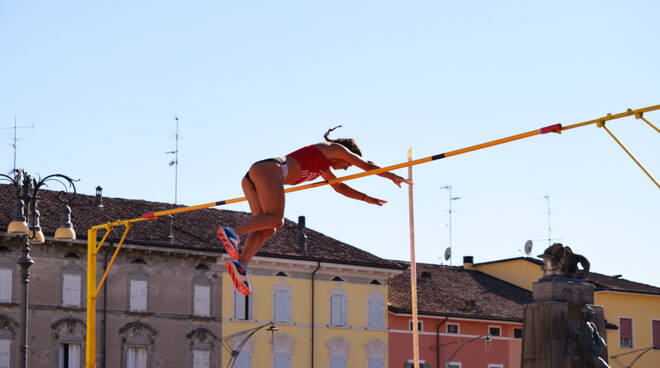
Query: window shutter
655	326
202	301
343	311
5	350
239	305
5	285
625	328
281	361
74	356
287	307
141	358
71	289
201	359
243	360
336	362
376	363
278	304
376	314
335	310
138	295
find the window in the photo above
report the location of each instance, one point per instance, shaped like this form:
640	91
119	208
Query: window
376	310
201	343
138	295
411	364
453	365
5	286
282	350
495	365
242	305
282	302
517	333
202	300
136	357
5	353
494	331
201	358
376	352
68	356
138	342
655	327
71	287
452	328
338	348
420	325
243	360
338	307
625	332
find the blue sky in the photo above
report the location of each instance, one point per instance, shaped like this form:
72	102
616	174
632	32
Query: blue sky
101	83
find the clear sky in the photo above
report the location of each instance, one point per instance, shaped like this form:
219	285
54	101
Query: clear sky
102	82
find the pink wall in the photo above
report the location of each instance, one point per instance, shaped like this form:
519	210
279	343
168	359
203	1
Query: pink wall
505	350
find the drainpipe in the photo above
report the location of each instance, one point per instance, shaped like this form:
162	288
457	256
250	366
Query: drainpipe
318	265
437	335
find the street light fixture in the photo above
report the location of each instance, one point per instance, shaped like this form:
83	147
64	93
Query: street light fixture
27	193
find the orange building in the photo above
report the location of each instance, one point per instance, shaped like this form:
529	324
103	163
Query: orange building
466	319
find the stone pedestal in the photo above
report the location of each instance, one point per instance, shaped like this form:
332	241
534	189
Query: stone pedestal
547	322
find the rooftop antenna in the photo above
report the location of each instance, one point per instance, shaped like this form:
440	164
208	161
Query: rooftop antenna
175	163
547	201
15	127
451	199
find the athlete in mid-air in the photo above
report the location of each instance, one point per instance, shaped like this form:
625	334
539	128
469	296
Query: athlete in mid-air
263	186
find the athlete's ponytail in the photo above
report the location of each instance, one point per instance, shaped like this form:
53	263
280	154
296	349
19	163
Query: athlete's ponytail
349	143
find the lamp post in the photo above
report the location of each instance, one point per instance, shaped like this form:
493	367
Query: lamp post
26	224
244	336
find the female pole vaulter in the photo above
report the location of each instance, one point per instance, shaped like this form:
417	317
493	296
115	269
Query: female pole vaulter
263	186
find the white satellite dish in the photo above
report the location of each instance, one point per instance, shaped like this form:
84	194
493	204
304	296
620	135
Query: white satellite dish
528	247
447	253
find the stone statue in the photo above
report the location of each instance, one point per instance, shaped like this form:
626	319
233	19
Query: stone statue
561	261
585	344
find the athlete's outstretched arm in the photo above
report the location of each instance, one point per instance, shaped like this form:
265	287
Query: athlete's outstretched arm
349	192
340	151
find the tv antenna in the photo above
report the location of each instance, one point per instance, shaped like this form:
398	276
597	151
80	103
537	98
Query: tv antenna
175	162
451	199
15	127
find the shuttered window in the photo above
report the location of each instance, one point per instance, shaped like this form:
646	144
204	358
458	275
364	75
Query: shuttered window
281	360
625	332
243	360
242	306
201	359
655	326
69	356
376	363
136	357
338	310
138	298
376	313
337	362
282	306
5	353
5	285
71	286
202	300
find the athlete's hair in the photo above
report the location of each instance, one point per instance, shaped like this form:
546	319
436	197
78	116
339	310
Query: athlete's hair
349	143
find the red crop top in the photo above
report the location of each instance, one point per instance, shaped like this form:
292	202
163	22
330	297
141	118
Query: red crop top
312	163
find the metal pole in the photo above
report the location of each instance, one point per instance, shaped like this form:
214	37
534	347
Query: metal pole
25	262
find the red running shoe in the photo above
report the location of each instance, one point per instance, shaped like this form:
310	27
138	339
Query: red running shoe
238	274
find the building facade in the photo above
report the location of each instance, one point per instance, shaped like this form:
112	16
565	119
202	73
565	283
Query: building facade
168	301
465	319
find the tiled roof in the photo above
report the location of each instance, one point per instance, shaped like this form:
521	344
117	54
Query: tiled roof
602	282
191	230
448	290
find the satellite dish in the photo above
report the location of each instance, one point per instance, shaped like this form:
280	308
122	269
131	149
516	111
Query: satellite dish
447	253
528	247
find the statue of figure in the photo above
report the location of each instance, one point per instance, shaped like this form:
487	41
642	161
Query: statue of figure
585	344
561	261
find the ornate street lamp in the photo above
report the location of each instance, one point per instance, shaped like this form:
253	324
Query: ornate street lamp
230	342
27	193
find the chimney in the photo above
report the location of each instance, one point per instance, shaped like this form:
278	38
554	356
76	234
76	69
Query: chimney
98	201
468	262
302	238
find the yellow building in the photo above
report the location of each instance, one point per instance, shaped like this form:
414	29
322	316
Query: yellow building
326	314
632	310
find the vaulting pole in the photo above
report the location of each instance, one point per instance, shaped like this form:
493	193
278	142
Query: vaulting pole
413	266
